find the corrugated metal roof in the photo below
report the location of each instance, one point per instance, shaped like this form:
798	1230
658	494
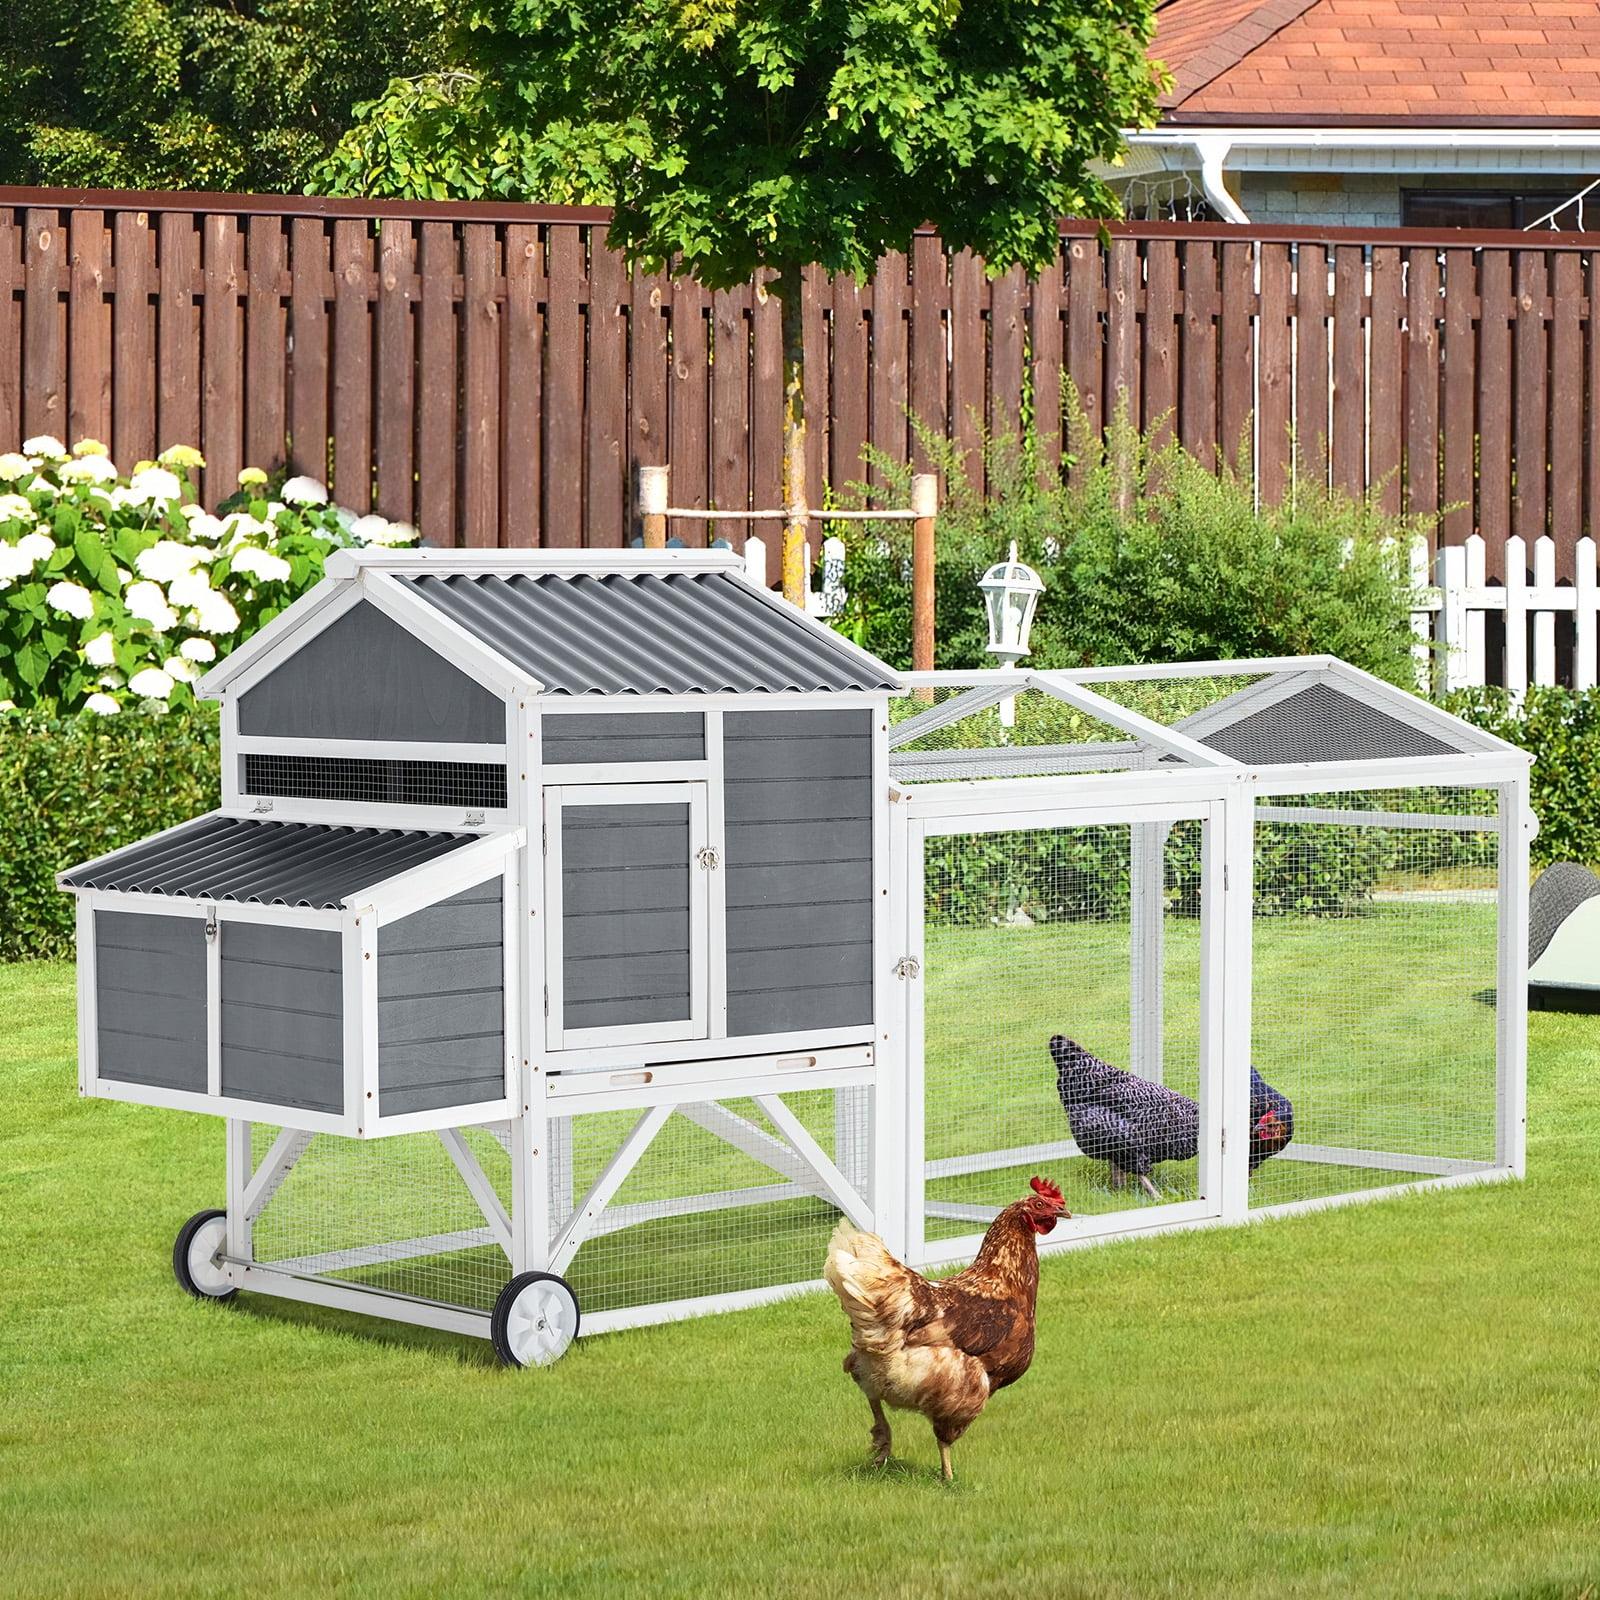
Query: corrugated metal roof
646	633
271	863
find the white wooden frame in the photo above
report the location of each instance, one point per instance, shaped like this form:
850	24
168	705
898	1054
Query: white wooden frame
707	946
929	817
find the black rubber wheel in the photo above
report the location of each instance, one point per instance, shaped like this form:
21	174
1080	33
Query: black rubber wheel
535	1320
194	1252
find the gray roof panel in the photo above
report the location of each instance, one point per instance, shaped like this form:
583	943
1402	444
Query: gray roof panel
246	859
646	633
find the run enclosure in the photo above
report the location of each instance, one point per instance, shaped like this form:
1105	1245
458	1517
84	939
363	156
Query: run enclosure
803	931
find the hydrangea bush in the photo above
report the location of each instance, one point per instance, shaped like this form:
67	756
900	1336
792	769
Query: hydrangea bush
117	592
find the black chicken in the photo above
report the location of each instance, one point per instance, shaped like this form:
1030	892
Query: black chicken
1131	1124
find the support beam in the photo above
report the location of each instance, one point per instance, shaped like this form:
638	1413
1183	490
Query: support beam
479	1187
566	1243
839	1190
278	1163
1147	915
754	1142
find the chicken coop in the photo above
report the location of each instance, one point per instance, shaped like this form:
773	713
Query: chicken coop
579	935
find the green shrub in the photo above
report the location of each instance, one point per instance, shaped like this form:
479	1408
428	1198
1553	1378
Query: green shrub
1147	556
1561	727
73	788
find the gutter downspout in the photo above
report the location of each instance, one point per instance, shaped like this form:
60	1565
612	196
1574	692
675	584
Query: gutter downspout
1213	153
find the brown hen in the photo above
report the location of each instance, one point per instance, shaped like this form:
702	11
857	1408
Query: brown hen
941	1348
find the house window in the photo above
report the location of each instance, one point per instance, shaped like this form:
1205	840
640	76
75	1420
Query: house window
1489	208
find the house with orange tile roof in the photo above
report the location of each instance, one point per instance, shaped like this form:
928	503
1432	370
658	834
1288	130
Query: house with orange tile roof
1374	113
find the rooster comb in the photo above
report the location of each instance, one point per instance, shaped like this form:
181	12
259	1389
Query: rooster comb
1047	1190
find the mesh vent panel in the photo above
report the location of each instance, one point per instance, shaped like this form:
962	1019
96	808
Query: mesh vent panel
358	779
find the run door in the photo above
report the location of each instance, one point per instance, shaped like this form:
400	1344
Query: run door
628	872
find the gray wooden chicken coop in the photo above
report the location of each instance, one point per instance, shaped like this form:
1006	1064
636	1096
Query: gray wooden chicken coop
580	934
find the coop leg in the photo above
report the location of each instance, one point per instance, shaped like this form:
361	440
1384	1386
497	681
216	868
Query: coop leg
238	1176
530	1188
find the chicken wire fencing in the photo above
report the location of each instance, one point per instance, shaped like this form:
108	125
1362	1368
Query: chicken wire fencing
392	1214
1376	947
1061	1019
721	1200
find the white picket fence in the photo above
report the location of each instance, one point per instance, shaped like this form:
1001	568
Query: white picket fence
1449	626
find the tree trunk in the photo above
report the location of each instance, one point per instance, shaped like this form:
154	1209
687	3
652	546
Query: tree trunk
788	287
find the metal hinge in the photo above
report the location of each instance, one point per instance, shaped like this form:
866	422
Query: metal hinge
547	999
473	819
708	857
211	927
907	967
544	837
260	808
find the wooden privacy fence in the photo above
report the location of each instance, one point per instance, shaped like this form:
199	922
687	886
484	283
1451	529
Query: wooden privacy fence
493	373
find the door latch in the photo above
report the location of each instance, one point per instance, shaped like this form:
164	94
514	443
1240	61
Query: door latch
211	927
907	967
708	857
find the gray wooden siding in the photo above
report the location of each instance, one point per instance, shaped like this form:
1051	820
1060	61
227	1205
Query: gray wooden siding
366	677
441	1004
798	818
282	1016
150	999
642	736
625	885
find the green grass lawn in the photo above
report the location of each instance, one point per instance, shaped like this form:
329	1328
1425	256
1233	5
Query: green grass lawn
1397	1399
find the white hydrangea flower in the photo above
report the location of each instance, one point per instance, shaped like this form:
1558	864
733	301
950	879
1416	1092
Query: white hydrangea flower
240	526
37	546
101	650
189	588
261	563
216	614
13	465
147	602
202	525
45	446
88	469
166	560
90	447
369	529
402	533
111	680
179	670
15	562
151	684
305	492
42	486
154	486
8	705
13	508
70	598
249	477
102	705
198	650
181	455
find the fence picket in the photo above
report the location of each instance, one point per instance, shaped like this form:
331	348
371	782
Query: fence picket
1586	599
1476	581
1544	621
1516	588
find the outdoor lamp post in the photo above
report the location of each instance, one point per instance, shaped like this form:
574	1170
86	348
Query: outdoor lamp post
1011	591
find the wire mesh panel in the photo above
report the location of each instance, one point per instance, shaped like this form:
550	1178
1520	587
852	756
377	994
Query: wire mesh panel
1061	1019
392	1214
367	780
720	1201
1376	943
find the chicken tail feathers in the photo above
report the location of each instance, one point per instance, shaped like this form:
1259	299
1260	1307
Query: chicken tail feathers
877	1293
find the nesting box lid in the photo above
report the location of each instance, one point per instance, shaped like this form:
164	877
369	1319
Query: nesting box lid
250	860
